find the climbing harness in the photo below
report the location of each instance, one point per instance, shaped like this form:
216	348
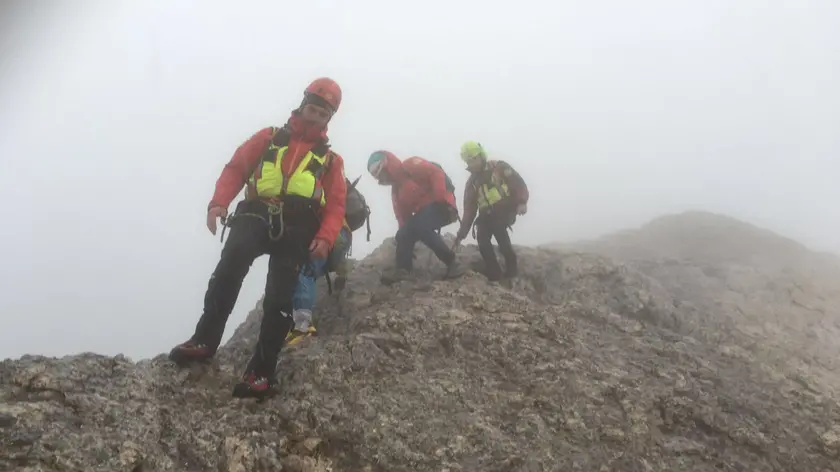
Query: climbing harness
225	223
275	210
275	215
488	214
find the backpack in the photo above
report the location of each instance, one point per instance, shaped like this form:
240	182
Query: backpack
356	214
450	187
356	211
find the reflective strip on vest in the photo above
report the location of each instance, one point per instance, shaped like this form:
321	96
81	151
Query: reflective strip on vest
489	195
302	182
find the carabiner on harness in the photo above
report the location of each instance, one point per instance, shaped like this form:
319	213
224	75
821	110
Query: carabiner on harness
227	221
275	209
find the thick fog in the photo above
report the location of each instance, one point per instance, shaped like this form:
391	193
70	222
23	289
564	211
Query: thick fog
116	118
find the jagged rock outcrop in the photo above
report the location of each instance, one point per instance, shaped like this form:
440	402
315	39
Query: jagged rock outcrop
581	364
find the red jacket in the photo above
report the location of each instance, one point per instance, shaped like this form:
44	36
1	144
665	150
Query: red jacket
303	138
417	183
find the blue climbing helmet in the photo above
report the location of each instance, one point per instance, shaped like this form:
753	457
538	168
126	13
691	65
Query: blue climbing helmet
379	162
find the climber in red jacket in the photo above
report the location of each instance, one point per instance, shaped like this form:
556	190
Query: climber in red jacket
424	202
293	211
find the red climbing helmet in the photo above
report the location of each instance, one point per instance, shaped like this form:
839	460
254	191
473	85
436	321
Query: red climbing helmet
326	89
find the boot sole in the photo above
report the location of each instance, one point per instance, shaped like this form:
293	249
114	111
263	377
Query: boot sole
182	359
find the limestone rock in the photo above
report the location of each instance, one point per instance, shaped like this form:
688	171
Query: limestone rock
831	441
582	364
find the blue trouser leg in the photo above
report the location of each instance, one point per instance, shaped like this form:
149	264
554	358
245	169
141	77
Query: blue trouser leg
306	291
422	227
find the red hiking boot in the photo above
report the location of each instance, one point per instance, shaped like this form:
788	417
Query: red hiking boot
252	386
190	351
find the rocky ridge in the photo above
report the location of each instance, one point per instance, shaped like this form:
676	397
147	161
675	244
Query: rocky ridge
583	363
769	294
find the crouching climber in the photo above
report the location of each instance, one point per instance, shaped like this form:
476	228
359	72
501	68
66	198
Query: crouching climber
423	199
303	300
356	214
498	194
295	214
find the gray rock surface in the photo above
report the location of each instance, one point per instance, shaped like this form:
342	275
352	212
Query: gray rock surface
765	293
583	363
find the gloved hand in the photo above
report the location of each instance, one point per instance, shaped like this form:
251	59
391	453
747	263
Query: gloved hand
522	208
214	214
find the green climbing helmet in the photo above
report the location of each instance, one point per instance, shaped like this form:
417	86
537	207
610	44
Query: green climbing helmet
471	150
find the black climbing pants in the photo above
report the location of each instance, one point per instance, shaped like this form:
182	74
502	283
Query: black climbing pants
423	226
495	224
249	239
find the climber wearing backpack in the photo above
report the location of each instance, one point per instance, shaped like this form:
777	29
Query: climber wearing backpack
498	194
424	202
293	212
356	214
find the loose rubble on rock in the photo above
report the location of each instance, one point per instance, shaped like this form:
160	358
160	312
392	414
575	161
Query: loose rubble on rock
654	362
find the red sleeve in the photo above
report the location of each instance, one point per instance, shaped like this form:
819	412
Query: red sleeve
239	169
335	190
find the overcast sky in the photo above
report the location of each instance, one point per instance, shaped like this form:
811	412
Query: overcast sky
116	118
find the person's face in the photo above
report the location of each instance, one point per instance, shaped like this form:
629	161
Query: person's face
384	178
475	164
316	114
379	171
